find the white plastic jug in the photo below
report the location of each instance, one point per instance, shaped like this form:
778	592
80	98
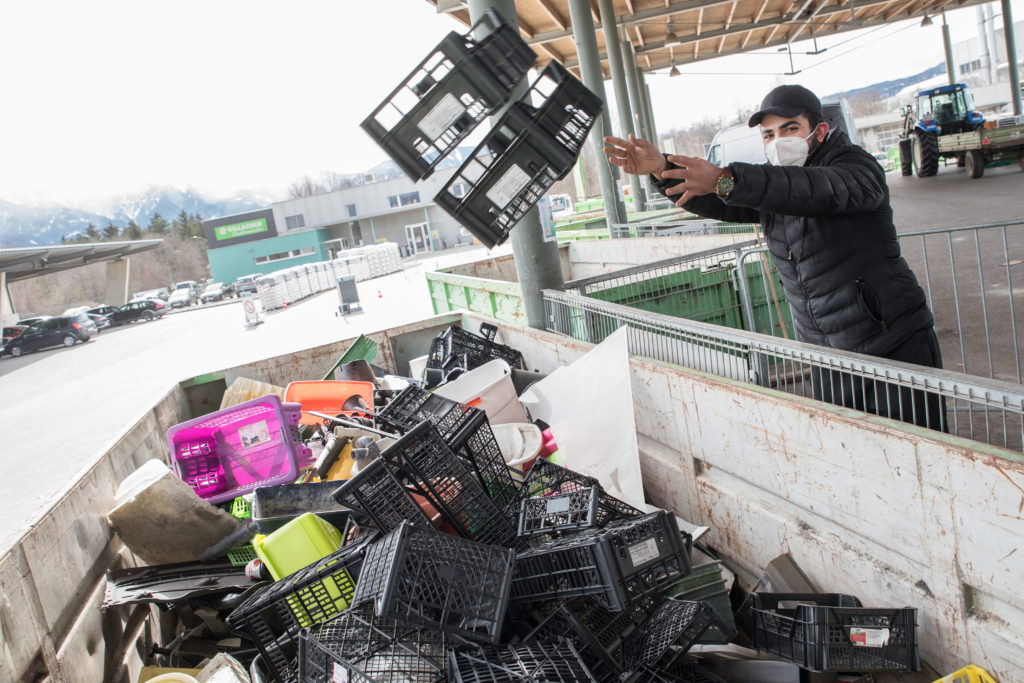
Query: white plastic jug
489	388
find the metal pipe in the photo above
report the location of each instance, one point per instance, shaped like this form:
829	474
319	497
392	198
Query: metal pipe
620	82
590	69
948	45
1011	56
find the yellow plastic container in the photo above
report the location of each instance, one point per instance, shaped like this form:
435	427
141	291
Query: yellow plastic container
968	674
299	543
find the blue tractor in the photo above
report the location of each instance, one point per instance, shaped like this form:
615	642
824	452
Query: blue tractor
945	110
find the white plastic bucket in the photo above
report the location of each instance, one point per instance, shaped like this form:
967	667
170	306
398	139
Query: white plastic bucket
489	388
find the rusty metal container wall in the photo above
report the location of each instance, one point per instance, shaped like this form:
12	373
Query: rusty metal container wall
894	514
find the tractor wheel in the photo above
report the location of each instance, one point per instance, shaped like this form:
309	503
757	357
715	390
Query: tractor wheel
975	164
906	156
926	154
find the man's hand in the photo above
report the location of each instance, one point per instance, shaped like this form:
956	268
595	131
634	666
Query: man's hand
698	176
636	155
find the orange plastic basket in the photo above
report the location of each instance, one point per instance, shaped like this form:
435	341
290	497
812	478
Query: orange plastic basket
327	396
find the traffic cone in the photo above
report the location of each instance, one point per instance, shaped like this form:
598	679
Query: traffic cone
379	295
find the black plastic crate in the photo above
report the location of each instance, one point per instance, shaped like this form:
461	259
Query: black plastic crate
619	565
533	144
357	646
674	624
522	662
833	632
439	581
272	616
375	497
423	463
459	84
681	671
465	430
472	350
596	632
546	480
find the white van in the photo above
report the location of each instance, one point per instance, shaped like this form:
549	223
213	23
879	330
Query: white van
737	143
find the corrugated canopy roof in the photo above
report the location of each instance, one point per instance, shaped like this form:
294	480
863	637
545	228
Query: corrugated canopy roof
25	262
704	29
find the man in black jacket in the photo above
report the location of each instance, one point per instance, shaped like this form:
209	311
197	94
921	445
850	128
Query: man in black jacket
824	206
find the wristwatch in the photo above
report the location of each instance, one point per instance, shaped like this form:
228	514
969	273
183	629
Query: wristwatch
725	184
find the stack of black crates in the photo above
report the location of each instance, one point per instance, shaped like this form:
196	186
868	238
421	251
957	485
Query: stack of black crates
535	142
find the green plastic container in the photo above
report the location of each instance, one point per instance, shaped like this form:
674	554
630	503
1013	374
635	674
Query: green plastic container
299	543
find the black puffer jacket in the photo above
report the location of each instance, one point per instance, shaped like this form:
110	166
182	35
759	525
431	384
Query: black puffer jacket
829	226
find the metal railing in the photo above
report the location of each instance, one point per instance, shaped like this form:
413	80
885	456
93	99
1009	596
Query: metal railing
982	409
677	223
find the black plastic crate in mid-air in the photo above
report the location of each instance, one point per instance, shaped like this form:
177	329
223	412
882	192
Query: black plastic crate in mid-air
358	646
272	616
522	662
460	83
534	143
620	564
466	431
438	581
553	498
833	632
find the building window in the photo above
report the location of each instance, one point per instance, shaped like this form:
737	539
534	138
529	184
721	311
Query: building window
351	210
281	256
397	200
296	221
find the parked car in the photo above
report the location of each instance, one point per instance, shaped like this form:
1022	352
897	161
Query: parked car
190	285
9	333
102	321
181	298
215	291
246	283
33	321
130	312
161	293
60	330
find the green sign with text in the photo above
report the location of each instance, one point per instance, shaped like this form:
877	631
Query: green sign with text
227	232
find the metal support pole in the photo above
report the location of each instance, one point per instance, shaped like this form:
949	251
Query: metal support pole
653	127
635	98
620	84
947	43
373	233
590	68
537	264
4	299
1011	56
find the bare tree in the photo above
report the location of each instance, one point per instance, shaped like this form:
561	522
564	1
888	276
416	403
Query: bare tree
332	182
304	187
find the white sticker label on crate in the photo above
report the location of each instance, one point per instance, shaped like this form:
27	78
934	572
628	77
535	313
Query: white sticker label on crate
558	504
254	434
339	674
441	117
869	637
508	186
644	551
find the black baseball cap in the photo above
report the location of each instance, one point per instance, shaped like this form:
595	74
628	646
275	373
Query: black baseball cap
787	101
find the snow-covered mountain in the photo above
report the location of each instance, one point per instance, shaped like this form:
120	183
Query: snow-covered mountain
25	226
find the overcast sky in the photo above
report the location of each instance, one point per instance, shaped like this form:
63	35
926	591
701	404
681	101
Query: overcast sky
107	97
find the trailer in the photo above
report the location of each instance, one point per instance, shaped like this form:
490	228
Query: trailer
985	146
895	514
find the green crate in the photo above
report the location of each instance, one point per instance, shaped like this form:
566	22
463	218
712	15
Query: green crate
241	508
766	314
241	555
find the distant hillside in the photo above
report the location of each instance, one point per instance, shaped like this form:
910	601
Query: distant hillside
25	226
887	89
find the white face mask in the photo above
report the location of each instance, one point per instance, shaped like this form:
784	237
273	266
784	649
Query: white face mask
788	151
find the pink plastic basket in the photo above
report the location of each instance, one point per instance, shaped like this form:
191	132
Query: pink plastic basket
231	452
